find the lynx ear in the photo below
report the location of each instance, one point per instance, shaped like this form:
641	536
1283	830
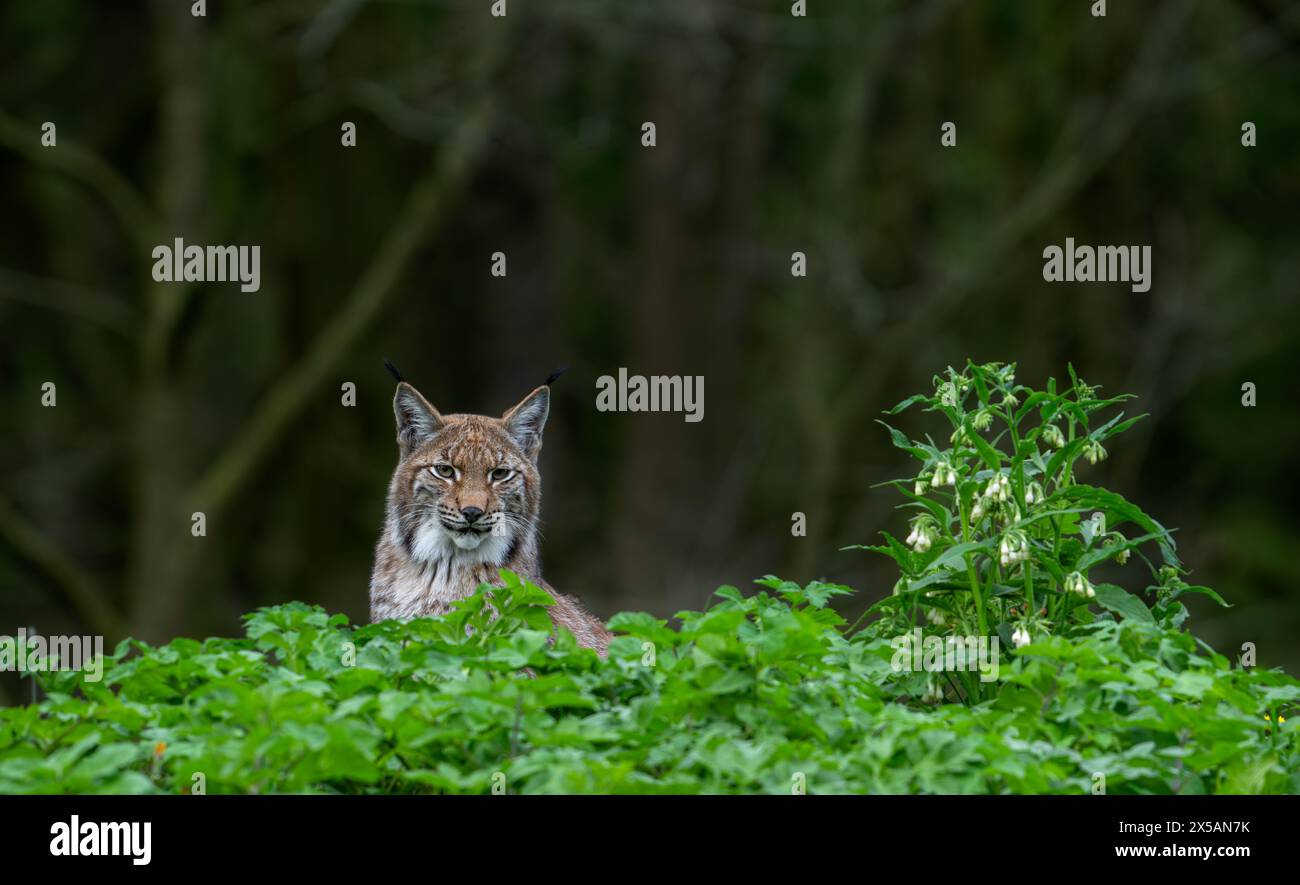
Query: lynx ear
417	421
525	421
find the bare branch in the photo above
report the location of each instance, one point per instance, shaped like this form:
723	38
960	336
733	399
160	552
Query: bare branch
82	164
72	299
1061	179
70	579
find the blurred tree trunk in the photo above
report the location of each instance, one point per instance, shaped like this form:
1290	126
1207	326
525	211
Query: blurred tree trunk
164	552
648	513
740	254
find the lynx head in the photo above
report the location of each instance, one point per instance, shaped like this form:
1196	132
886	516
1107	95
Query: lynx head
466	486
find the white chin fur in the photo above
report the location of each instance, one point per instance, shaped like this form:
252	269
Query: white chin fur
433	542
467	540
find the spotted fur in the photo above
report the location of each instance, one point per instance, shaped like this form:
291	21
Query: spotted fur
462	505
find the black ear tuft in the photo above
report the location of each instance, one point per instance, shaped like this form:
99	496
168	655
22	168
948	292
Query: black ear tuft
554	375
392	370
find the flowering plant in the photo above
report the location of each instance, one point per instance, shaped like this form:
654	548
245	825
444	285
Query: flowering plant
1006	536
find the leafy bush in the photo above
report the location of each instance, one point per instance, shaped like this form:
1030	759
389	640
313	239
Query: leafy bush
771	692
1000	537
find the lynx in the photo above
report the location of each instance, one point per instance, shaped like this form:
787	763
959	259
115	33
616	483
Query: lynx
462	505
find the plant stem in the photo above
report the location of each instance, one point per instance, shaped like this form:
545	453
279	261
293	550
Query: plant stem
970	569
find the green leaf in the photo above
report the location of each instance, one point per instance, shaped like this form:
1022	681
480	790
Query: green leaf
1197	588
1120	601
1069	450
941	514
819	593
1103	553
1112	429
1030	402
895	549
908	403
901	441
981	389
1118	510
991	456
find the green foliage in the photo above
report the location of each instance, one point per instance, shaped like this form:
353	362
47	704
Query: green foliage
1006	537
767	693
757	694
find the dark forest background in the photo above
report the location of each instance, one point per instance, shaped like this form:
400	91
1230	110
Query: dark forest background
523	135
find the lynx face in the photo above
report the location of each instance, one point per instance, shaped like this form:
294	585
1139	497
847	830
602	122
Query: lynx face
466	487
462	505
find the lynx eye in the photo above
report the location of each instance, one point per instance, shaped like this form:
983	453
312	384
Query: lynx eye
446	471
500	473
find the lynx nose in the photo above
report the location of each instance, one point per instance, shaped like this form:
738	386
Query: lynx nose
471	513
